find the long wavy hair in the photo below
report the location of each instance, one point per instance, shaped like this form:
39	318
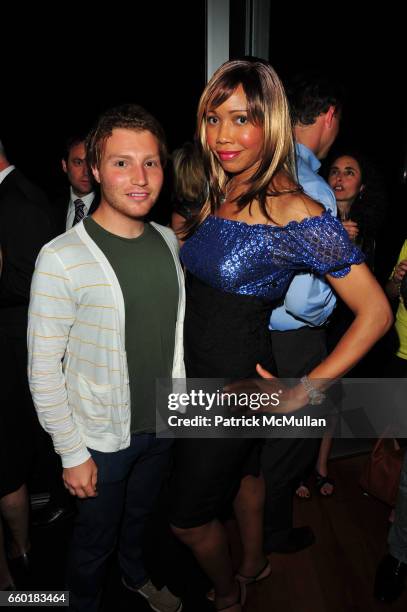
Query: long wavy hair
189	175
369	208
267	106
370	205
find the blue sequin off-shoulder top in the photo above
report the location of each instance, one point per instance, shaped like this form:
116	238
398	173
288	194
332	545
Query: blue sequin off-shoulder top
260	260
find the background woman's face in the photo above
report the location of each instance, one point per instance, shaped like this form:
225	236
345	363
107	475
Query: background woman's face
234	140
345	178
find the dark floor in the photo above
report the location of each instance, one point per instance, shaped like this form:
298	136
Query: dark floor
334	575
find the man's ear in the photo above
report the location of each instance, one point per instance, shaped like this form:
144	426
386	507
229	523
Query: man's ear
329	115
64	166
95	173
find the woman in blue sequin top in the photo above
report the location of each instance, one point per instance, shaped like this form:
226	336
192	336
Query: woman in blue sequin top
254	233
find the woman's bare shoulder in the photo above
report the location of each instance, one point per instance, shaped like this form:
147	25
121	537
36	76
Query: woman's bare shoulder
294	207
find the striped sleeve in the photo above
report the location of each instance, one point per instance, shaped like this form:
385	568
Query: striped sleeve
51	315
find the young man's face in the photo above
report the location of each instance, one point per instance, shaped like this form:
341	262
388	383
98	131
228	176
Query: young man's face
77	170
130	172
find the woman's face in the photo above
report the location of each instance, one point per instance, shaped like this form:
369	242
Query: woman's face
234	140
345	178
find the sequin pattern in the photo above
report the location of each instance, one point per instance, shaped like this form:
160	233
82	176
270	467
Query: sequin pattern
260	260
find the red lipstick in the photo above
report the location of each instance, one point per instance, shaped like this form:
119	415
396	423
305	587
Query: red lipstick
227	155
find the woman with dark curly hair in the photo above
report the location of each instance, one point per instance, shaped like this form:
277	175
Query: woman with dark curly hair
361	199
361	202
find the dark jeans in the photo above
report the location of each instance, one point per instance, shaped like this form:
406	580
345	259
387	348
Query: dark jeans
128	484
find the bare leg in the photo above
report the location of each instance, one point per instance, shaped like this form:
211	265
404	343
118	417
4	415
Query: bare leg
5	576
322	463
14	508
249	507
210	547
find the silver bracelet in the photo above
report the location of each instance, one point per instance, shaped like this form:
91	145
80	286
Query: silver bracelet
315	396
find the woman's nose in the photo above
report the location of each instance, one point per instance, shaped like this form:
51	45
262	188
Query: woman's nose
224	133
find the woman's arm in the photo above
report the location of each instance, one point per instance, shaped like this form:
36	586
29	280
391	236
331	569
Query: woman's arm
373	317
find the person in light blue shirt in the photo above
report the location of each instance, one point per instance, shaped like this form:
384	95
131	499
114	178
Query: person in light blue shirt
297	326
309	299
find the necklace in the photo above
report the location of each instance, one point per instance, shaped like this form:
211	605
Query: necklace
228	188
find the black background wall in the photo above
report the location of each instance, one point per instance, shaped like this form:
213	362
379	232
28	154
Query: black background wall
61	67
56	78
367	54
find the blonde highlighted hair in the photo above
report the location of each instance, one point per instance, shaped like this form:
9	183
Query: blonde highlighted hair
267	106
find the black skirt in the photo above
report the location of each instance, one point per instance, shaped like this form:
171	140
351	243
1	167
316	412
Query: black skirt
226	335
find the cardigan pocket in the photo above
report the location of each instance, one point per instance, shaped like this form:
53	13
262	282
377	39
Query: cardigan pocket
96	405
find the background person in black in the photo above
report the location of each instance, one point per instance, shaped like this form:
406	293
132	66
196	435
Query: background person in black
362	202
392	569
361	199
25	225
316	102
81	185
66	213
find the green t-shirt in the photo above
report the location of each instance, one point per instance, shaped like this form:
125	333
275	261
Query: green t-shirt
147	276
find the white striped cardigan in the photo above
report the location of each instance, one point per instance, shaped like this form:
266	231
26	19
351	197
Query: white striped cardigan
77	315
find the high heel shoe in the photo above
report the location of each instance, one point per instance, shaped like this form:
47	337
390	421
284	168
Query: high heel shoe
20	569
240	601
264	573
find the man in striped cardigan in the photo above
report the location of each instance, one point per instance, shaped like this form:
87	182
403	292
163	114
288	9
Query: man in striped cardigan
105	321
